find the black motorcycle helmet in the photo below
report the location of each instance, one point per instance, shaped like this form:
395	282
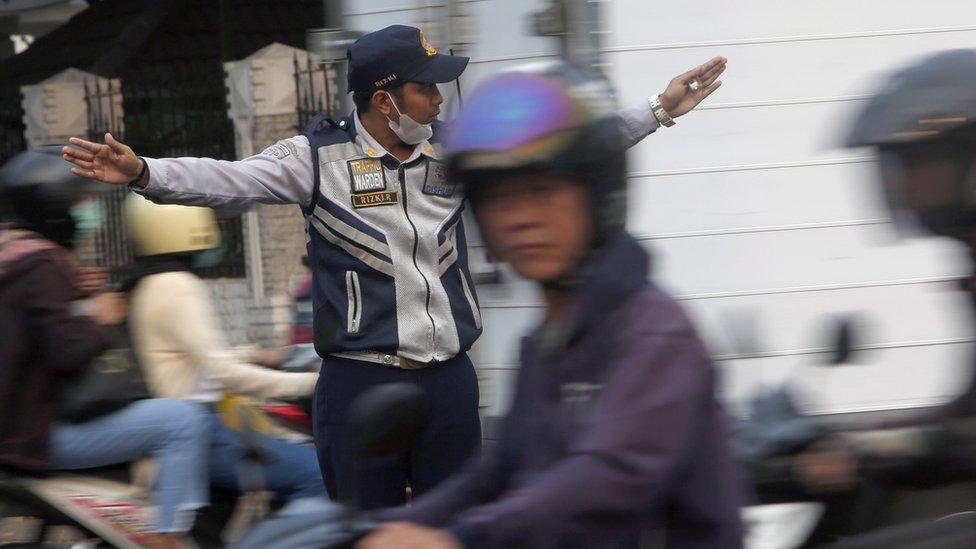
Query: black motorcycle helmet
923	122
38	192
549	118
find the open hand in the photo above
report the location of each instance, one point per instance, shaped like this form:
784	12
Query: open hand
113	162
679	98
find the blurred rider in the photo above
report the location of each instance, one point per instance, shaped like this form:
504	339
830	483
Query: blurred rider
44	347
177	337
922	124
614	437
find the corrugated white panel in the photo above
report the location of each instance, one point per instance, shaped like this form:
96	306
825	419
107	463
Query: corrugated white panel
750	205
374	21
747	201
781	261
785	320
918	338
798	322
633	22
732	197
789	259
754	199
759	136
783	71
499	28
878	380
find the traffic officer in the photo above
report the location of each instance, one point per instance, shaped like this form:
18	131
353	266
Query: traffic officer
393	297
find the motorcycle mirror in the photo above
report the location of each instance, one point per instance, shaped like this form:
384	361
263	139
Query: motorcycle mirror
386	419
843	347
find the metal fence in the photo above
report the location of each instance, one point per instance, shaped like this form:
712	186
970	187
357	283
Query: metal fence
313	92
159	122
11	126
111	248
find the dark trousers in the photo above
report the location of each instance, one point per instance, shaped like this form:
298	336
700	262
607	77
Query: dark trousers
451	438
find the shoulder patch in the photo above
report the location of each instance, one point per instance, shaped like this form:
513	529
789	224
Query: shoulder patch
281	150
291	147
436	183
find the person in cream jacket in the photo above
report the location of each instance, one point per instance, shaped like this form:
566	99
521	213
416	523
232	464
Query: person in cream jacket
180	346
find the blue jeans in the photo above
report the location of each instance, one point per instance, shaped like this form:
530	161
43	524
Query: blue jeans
174	432
289	470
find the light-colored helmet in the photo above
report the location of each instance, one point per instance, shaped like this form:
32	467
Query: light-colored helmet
158	229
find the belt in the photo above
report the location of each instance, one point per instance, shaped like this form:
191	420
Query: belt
385	358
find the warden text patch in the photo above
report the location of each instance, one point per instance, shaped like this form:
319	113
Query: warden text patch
367	175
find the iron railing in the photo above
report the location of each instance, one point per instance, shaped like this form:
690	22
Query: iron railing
313	92
158	122
11	126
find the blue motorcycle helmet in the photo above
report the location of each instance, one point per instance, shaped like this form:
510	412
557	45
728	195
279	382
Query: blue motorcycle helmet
550	118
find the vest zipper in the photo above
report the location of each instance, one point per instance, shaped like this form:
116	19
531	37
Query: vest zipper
416	246
355	311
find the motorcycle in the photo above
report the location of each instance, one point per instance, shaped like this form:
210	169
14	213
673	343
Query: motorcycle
105	508
912	472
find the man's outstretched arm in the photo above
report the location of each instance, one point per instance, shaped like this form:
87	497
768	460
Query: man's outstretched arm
282	174
679	98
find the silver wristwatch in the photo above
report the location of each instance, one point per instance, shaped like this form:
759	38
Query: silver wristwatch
662	115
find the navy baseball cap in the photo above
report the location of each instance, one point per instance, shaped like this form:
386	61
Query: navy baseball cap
391	57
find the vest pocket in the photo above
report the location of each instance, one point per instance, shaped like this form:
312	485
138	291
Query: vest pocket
475	311
354	313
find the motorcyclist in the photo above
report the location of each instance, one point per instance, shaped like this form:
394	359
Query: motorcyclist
180	345
44	346
922	124
614	437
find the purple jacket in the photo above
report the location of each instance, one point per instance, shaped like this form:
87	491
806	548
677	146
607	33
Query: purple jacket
615	438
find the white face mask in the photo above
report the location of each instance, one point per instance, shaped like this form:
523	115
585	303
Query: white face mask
409	130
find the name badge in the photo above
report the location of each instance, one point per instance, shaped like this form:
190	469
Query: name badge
436	183
368	200
367	175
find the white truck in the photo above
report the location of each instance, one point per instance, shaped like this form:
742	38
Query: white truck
759	222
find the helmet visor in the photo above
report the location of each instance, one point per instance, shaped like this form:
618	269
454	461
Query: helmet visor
512	112
89	217
926	185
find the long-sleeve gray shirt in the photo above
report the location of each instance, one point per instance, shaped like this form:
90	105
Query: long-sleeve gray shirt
283	173
385	238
